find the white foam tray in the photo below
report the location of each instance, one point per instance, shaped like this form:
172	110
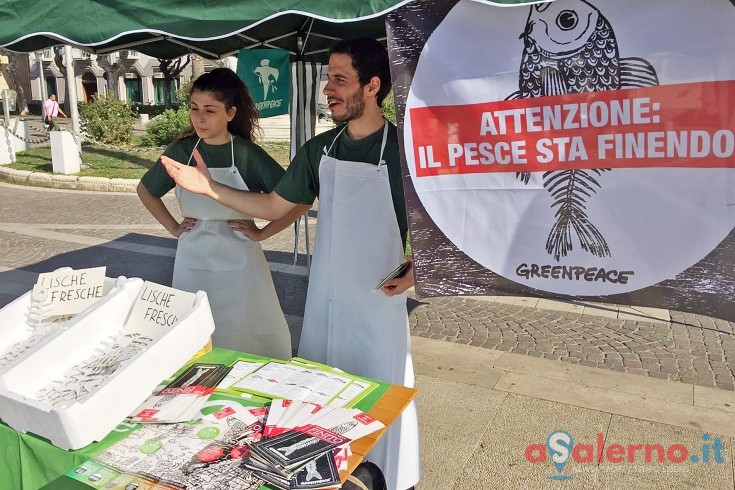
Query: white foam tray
76	424
14	326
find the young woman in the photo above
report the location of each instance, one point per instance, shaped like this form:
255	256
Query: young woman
213	254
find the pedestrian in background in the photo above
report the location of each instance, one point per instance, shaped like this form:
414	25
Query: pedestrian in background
51	109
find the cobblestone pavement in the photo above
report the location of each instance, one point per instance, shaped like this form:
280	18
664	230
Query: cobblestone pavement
43	229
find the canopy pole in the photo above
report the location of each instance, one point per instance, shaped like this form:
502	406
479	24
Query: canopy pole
42	78
301	131
71	82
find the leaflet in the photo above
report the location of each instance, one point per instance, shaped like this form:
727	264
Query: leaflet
399	271
181	399
240	369
356	391
296	382
204	454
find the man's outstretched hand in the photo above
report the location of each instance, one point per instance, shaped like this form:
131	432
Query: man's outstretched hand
195	179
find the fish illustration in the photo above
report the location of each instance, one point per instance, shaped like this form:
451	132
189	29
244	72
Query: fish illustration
571	48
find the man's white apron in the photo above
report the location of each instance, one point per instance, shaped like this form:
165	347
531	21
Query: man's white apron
348	326
233	271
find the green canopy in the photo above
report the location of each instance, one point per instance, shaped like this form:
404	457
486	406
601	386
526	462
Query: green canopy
173	28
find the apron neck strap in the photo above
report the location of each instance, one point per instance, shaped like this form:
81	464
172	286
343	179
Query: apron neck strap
382	145
188	162
326	151
232	151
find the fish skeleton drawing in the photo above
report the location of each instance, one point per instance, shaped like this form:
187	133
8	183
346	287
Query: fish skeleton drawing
570	48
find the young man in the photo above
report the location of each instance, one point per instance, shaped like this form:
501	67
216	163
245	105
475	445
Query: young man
52	109
360	237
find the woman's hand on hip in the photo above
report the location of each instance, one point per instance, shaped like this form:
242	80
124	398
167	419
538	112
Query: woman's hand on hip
184	226
247	228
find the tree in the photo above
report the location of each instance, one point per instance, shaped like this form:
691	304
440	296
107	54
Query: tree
59	62
183	94
389	108
171	69
197	66
10	72
113	70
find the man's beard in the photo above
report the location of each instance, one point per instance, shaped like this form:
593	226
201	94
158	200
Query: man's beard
354	108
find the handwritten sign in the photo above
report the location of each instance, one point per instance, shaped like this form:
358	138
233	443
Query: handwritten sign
68	292
157	308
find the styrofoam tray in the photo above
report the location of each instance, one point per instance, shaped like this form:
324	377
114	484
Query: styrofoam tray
76	423
19	337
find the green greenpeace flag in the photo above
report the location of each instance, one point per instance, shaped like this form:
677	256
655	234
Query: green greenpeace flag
267	76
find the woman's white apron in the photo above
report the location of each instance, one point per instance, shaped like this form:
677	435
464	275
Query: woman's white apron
233	271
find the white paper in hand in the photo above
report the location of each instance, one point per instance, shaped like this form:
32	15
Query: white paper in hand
399	271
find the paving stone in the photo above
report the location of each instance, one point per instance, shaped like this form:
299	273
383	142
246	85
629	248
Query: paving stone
631	364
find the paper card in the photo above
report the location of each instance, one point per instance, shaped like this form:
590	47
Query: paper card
258	465
240	369
318	473
157	308
295	413
298	445
339	420
173	402
294	382
271	479
399	271
366	425
347	422
266	378
303	411
191	410
67	292
341	457
276	412
355	392
249	418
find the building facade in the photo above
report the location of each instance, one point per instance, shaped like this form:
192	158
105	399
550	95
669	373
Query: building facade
142	81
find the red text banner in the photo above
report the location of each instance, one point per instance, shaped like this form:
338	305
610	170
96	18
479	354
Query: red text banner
685	125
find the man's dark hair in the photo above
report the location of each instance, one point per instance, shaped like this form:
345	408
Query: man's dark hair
369	59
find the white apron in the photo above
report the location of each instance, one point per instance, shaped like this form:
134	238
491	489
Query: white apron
233	271
348	326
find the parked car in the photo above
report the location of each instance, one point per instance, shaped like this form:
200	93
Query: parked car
323	113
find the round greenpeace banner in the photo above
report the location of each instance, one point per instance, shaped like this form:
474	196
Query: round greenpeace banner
578	147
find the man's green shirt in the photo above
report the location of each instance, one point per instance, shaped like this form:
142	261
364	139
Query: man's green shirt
300	184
